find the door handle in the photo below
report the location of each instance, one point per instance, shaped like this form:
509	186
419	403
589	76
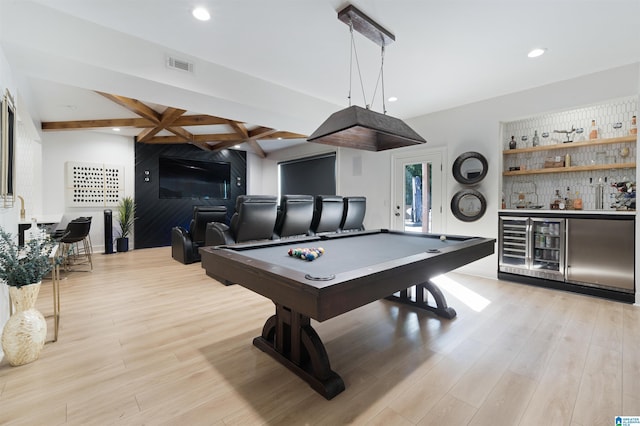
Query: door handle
397	214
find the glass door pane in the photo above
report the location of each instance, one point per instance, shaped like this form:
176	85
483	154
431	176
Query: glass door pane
513	242
417	188
547	245
417	197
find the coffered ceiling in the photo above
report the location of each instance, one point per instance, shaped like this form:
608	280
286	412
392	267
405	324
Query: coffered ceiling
284	65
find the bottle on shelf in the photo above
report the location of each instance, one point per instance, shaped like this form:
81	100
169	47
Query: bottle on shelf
536	139
567	160
577	202
568	201
556	201
633	130
599	195
512	143
593	133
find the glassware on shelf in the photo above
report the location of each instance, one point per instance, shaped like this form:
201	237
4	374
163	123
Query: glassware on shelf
616	130
633	130
556	202
577	202
593	132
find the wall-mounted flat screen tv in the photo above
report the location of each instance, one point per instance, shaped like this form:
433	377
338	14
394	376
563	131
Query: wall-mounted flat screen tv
186	178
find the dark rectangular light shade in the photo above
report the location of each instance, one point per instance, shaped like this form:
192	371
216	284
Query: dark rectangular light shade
360	128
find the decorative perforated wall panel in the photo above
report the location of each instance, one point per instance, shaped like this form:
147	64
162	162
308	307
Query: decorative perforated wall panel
93	185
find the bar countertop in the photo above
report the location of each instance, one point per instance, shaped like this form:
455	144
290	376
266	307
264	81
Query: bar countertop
565	213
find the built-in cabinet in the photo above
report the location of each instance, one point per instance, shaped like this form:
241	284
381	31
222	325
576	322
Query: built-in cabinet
576	251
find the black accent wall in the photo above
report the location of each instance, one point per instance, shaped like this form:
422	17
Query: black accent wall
156	217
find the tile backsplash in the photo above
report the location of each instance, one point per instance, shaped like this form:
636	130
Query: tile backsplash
613	119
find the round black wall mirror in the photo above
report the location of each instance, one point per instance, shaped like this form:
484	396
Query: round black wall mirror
468	205
470	168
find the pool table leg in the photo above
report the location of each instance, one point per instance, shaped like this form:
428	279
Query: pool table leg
289	338
421	300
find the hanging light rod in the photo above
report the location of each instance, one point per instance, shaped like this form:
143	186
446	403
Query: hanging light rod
366	26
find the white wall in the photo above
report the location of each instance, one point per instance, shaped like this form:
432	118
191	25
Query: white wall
86	147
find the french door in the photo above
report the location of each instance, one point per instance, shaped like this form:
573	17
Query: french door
417	188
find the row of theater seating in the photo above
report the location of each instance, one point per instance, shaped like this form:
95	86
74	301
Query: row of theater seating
257	217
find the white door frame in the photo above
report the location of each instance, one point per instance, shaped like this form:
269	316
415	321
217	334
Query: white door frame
437	157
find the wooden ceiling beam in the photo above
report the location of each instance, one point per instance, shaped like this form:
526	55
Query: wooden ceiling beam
168	117
134	106
174	121
226	137
284	135
251	136
223	145
261	132
183	133
96	124
219	137
202	145
182	121
199	120
257	148
239	128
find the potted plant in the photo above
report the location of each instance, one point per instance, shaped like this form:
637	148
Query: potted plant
23	268
126	217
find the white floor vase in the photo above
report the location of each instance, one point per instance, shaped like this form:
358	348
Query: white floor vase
25	332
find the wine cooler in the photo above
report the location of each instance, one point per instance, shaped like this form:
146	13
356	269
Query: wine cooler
532	246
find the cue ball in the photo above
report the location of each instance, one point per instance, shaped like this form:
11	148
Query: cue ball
443	237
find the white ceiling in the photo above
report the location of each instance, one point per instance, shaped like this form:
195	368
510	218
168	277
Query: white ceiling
285	63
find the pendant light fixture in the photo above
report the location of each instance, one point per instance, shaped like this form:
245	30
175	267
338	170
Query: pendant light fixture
362	128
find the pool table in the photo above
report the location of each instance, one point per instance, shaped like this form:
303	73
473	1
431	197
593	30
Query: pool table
356	268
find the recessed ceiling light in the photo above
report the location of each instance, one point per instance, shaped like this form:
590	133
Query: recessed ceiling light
116	129
392	99
538	51
201	14
237	146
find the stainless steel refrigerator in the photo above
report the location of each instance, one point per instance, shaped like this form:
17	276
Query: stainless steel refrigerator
601	253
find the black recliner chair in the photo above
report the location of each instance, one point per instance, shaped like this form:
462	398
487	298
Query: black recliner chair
254	219
185	244
353	215
294	217
327	215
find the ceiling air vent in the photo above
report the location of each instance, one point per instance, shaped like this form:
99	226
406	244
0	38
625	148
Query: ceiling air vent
179	64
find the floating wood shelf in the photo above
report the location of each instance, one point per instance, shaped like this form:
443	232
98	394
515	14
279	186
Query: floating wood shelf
570	169
571	145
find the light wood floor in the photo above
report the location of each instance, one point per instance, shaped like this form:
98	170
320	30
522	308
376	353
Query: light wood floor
147	340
